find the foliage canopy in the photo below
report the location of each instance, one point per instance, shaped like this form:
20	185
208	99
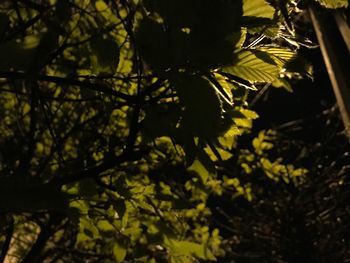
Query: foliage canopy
119	119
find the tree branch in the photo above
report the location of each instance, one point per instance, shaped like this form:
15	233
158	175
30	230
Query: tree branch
27	154
108	163
6	244
99	87
46	232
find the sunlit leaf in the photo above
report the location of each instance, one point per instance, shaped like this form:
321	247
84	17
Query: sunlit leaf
199	169
258	8
186	248
249	114
105	226
280	55
334	3
119	252
250	67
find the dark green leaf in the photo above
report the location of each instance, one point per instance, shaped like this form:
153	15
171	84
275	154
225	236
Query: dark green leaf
202	115
120	207
161	120
105	55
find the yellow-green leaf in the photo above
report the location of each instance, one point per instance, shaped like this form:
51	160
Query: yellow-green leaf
119	252
333	4
258	8
249	66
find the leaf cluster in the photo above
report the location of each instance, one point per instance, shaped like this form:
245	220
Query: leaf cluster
117	117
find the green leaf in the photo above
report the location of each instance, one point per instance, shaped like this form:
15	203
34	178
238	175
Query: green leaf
270	31
207	50
199	169
262	143
190	148
249	66
87	187
222	87
185	44
105	55
202	115
171	9
180	259
299	65
105	226
243	123
249	114
187	248
122	187
161	120
224	155
18	55
333	4
299	172
242	37
279	55
282	83
156	45
223	16
62	13
258	8
230	134
119	252
120	207
163	193
88	227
